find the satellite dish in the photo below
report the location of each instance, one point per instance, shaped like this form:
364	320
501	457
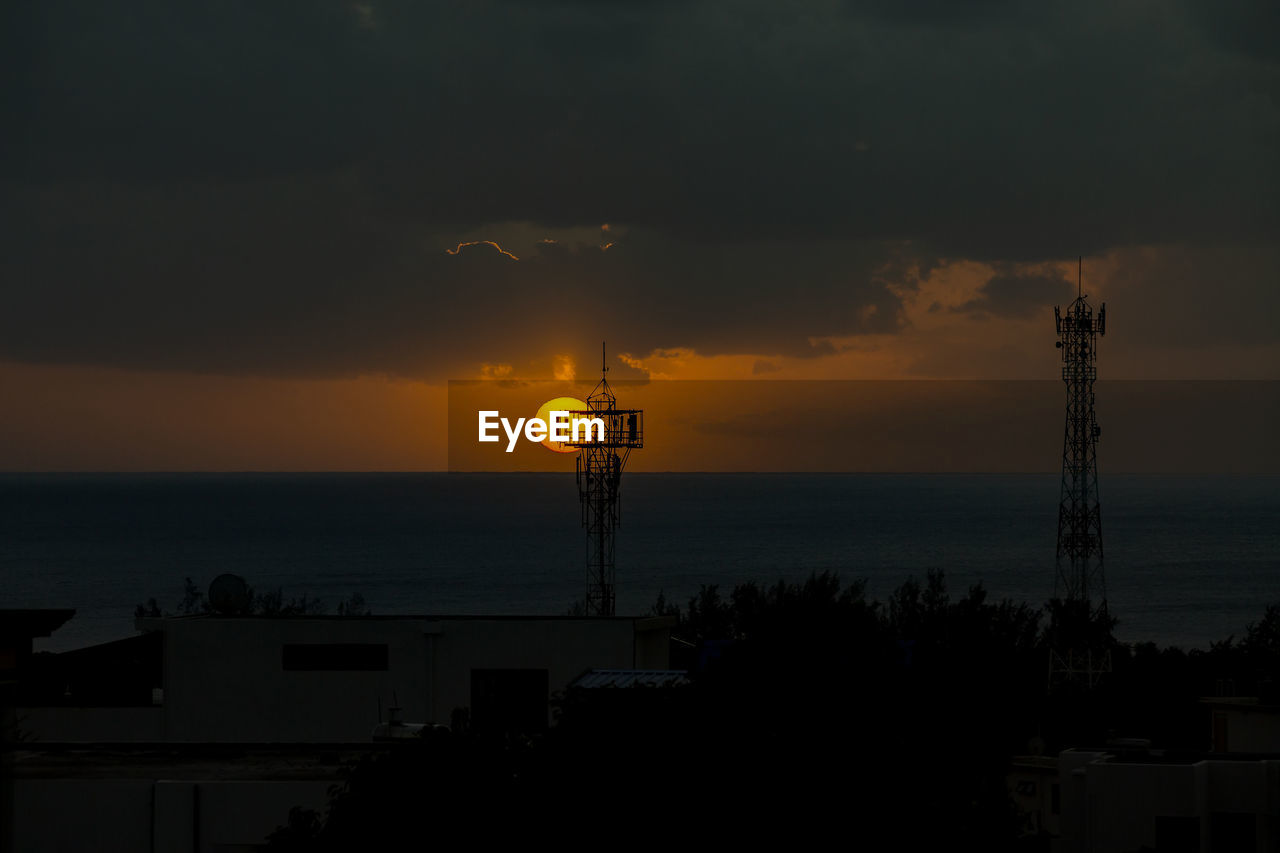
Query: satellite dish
229	595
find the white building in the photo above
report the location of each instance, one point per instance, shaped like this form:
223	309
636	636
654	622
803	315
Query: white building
1118	802
1243	724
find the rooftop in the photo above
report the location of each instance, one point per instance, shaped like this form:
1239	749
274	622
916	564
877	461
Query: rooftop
631	678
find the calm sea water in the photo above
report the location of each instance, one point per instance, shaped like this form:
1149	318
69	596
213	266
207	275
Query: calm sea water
1190	560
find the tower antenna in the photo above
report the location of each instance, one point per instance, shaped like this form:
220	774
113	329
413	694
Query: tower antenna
602	454
1080	625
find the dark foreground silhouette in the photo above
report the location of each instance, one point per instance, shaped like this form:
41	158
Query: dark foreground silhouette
810	711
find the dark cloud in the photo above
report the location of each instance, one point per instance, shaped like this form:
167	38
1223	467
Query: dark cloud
282	279
1003	138
925	13
761	367
271	187
1249	26
1189	298
1014	294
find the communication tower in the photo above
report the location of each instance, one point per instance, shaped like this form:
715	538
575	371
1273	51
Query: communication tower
1081	622
602	454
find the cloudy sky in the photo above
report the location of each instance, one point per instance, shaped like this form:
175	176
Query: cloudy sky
249	235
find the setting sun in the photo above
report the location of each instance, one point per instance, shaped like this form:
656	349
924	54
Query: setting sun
560	404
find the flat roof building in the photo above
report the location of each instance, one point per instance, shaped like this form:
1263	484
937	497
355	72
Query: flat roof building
332	678
202	732
1119	802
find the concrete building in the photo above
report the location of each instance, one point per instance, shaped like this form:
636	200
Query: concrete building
178	800
310	679
202	732
1124	801
1243	724
17	630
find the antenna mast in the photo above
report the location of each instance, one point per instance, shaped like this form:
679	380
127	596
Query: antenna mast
602	454
1080	582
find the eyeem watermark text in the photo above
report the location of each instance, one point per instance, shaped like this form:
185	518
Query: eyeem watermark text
563	428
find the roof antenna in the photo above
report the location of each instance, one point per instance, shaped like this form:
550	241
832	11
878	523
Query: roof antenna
1079	276
604	361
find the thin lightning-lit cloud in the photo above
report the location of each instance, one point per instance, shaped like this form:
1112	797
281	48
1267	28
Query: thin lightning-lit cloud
462	246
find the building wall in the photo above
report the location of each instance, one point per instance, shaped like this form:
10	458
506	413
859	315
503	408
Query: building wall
244	813
1250	730
1118	806
1125	800
94	725
653	642
139	815
1244	786
564	647
1074	795
225	681
228	679
71	815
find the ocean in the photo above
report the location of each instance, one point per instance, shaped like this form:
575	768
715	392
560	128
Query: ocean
1189	559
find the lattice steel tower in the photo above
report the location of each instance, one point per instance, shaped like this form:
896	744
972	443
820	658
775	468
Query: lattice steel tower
602	455
1080	576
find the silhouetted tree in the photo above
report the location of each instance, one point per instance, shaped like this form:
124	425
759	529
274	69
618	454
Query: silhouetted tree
193	600
151	608
354	606
272	603
269	603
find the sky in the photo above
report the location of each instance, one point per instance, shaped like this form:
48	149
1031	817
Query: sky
265	236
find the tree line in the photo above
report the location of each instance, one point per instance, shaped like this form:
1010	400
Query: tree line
271	602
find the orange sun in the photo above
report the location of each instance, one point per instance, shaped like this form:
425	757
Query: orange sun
559	404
